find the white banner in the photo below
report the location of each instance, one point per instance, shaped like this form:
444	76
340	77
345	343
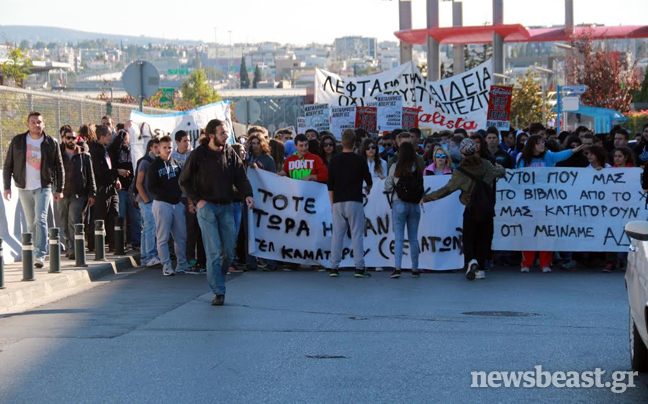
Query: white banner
292	222
567	209
317	117
342	118
145	126
460	101
390	112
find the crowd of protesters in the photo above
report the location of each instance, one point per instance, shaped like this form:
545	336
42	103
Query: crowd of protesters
187	205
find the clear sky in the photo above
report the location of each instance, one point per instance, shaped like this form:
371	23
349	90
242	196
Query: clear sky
293	21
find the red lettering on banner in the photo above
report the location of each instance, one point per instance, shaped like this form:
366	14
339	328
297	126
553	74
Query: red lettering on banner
440	120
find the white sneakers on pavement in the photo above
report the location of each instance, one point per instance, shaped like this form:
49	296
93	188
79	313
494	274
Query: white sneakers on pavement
153	262
470	270
546	270
524	270
168	271
480	274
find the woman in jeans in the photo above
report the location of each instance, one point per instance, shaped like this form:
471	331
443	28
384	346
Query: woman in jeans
405	213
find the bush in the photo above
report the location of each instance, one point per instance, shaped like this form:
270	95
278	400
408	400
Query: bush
636	121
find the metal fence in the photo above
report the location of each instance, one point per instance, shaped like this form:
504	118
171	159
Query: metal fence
57	110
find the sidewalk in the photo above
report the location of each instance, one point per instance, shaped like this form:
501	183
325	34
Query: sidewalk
18	293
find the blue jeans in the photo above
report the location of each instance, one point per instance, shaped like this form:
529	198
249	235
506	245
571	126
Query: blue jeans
35	204
133	217
148	247
406	213
237	207
219	237
170	219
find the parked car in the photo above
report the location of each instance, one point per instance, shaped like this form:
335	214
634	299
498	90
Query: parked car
636	280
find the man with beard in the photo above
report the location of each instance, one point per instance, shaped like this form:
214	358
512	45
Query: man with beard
79	189
209	176
34	162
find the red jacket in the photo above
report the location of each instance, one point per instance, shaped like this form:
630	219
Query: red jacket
311	164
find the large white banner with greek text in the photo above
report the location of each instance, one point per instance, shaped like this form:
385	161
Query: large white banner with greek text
292	222
567	209
145	126
460	101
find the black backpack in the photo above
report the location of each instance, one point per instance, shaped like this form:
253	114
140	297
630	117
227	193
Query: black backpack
481	207
410	189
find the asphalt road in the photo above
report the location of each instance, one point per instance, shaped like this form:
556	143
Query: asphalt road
303	337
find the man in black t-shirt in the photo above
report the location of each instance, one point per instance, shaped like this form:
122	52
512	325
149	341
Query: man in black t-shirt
347	172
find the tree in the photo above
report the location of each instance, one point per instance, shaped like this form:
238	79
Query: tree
526	104
609	79
641	95
257	77
16	68
245	79
197	91
475	57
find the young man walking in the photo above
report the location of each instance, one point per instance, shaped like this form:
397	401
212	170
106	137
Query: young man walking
347	172
34	161
168	210
209	176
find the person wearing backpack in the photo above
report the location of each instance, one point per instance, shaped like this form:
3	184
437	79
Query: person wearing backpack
475	177
405	184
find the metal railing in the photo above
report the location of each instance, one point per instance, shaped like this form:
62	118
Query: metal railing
57	110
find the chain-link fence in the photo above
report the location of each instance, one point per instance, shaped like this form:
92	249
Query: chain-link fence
57	110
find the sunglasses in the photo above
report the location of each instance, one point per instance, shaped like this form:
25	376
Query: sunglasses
329	144
70	138
440	156
371	148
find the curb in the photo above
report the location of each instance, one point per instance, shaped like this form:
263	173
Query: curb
45	285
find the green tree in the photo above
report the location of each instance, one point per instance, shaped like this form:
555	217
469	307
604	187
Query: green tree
24	44
526	104
476	56
197	91
257	77
245	79
16	68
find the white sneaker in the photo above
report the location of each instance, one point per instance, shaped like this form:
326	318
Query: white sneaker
524	269
39	262
153	262
168	271
180	270
480	274
470	271
546	270
379	269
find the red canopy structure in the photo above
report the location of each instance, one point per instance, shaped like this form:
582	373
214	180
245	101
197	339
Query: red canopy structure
516	33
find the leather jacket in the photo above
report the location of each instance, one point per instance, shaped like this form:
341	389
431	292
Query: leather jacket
51	163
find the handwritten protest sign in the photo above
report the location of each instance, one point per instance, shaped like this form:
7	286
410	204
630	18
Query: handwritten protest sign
499	107
301	125
292	222
317	117
390	112
342	118
366	118
567	209
460	101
